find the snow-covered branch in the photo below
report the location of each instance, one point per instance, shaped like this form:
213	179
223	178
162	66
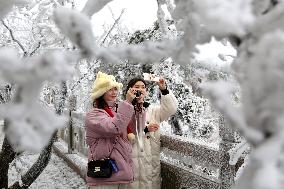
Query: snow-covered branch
263	171
77	27
239	16
146	52
93	6
219	94
35	49
36	122
161	18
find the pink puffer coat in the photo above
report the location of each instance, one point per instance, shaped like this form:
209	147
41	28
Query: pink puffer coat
101	131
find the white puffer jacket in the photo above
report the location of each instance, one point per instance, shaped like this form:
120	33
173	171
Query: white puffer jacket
146	155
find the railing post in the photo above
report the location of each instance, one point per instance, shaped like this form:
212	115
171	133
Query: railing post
227	171
71	107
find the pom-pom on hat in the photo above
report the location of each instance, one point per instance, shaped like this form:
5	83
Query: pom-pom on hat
102	84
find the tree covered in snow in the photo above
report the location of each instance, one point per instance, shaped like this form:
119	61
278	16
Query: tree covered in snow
255	27
29	125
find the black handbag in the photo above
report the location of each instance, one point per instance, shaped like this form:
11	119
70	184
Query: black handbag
102	168
99	168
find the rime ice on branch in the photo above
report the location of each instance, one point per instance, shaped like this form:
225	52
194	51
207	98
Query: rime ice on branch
30	124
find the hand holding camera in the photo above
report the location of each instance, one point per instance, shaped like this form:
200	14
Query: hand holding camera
158	79
137	94
130	95
133	94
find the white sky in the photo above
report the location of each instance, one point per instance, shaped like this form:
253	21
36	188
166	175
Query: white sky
141	14
138	14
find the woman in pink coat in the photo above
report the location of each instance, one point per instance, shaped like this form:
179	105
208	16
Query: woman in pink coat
106	124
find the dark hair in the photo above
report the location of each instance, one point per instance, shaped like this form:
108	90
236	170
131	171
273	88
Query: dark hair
132	82
100	103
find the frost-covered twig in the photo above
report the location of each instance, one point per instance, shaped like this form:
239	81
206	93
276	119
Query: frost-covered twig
112	27
35	49
14	39
83	76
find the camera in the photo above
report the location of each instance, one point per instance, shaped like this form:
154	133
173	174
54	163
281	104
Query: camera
137	94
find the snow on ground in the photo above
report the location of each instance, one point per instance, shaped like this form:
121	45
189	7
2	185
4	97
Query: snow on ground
57	174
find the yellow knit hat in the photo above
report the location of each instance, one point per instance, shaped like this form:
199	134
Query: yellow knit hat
103	83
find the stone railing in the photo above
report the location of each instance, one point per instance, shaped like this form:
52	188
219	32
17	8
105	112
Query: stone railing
74	133
184	164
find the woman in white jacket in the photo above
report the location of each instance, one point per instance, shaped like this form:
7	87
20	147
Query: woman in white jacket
145	125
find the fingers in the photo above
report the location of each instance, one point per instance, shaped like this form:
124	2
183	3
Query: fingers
162	80
152	127
162	83
130	95
154	124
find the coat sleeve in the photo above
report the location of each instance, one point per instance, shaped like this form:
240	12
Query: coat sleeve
100	124
168	106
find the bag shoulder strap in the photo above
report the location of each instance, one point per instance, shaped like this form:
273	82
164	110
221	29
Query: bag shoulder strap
96	142
116	139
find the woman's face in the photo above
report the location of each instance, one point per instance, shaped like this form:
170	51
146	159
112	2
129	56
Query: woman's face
140	86
111	95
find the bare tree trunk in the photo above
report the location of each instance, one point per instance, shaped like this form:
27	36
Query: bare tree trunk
7	155
37	167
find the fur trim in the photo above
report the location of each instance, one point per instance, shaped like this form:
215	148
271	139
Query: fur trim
103	83
130	136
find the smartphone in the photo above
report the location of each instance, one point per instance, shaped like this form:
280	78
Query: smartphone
150	77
